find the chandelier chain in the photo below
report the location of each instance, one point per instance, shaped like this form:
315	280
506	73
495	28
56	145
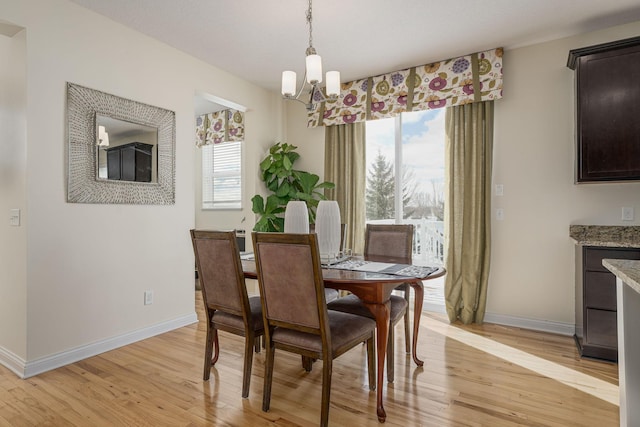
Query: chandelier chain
309	21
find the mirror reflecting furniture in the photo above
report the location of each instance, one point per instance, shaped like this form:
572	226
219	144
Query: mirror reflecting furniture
142	169
126	151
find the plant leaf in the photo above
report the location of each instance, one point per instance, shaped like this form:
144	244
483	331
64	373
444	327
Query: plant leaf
265	164
286	163
327	185
273	202
258	204
283	190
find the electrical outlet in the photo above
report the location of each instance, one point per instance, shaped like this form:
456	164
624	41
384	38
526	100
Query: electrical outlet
148	297
499	214
627	214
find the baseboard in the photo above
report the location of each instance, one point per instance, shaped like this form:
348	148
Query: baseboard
38	366
560	328
518	322
12	362
434	308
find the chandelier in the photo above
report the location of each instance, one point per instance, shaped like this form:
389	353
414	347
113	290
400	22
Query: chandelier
312	76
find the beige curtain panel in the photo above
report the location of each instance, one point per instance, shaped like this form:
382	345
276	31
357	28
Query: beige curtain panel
345	166
468	156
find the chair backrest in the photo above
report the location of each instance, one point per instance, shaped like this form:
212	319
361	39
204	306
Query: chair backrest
290	280
220	271
343	233
389	240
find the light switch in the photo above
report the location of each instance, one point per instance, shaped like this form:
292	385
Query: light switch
14	217
499	214
499	190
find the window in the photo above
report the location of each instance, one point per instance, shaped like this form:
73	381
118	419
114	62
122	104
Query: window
222	176
412	143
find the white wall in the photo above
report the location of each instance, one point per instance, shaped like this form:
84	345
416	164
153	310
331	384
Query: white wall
310	141
532	270
13	158
76	303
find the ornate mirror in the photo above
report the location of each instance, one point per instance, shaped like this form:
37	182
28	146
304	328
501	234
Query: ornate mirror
120	151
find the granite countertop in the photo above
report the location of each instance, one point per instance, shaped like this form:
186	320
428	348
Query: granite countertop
606	235
625	269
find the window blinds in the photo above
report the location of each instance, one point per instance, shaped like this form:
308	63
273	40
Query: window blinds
222	176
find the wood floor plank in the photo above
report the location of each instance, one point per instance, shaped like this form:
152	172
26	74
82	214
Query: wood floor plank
158	382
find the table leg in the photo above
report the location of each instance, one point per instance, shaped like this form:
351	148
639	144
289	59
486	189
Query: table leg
382	314
418	287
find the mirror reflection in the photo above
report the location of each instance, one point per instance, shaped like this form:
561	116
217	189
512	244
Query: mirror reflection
126	151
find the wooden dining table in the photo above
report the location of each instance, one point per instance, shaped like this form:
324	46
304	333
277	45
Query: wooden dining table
374	289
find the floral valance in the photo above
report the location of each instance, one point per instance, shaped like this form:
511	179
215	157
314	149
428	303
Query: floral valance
221	126
471	78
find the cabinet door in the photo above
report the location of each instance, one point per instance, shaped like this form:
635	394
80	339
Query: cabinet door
143	164
113	164
600	290
128	164
608	109
601	328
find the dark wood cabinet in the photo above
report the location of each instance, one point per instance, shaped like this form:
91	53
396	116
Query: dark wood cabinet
130	162
608	107
596	304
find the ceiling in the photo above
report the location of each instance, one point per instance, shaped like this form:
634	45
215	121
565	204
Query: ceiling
258	39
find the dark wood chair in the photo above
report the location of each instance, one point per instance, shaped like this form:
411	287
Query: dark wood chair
295	312
392	241
227	305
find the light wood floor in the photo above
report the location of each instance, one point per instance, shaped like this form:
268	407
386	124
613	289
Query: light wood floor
473	376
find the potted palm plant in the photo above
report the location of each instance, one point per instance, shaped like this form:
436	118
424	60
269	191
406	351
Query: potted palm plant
286	184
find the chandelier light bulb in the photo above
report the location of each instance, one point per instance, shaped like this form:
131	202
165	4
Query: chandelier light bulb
314	69
333	83
288	83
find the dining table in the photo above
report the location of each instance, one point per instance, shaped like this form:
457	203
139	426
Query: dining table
374	289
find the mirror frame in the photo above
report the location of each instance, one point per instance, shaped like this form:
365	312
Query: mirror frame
83	104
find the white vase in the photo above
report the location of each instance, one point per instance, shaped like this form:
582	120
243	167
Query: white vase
328	228
296	217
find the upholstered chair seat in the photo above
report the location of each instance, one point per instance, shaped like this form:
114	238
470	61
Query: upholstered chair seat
345	328
352	304
232	321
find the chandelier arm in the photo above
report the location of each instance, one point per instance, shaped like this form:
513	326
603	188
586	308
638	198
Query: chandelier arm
312	92
304	83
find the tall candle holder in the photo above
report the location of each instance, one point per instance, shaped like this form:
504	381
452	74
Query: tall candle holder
296	217
328	229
